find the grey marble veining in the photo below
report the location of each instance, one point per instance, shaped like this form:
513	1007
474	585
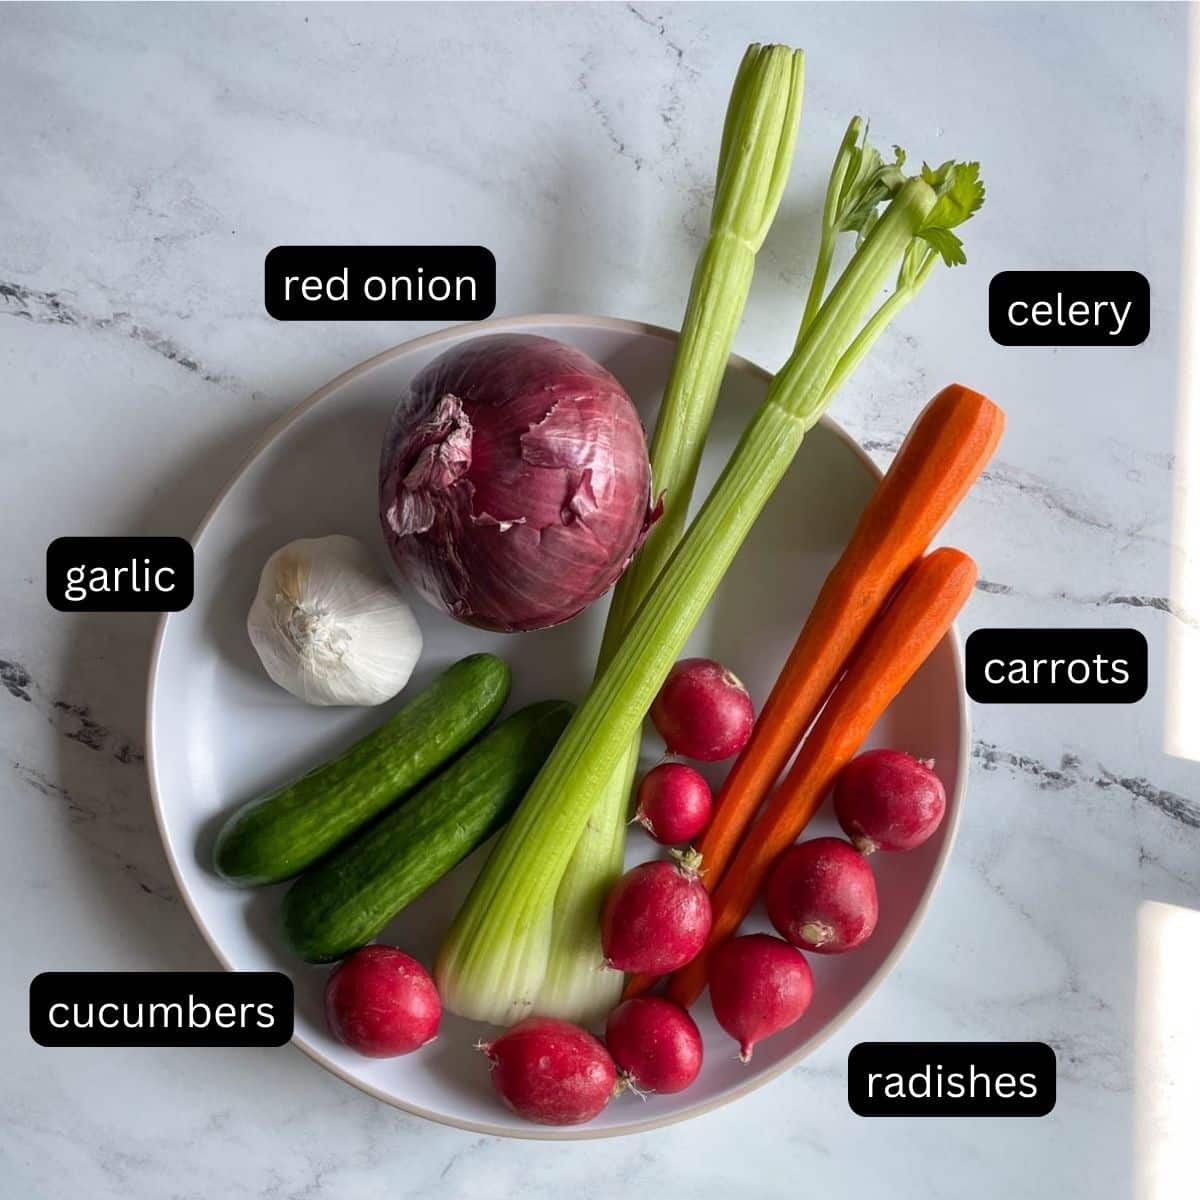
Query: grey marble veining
150	157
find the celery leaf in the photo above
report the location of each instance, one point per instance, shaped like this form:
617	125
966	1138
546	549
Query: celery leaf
960	195
868	182
946	243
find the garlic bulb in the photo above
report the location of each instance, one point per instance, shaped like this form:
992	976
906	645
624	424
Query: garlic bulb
330	627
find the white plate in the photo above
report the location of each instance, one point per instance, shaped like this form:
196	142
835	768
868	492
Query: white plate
219	731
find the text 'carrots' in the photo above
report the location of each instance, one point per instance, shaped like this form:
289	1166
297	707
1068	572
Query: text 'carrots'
917	619
946	449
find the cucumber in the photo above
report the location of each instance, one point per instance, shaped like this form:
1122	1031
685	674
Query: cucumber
282	833
345	901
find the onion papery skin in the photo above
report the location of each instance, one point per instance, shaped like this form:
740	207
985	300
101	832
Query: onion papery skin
514	484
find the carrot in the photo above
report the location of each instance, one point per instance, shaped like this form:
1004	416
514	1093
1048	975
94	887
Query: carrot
940	459
911	626
947	447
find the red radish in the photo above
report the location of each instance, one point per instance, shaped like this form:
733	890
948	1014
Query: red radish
821	896
551	1071
759	985
888	800
657	916
674	803
382	1002
703	711
655	1043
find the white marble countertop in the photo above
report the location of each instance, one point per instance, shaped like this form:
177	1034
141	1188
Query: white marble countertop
151	155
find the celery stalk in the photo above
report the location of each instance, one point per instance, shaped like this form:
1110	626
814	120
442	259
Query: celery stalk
757	143
493	962
577	985
859	181
829	223
912	279
492	966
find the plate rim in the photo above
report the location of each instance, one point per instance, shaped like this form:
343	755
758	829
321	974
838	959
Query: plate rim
538	1132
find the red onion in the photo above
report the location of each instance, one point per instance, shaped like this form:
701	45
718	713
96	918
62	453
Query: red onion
514	486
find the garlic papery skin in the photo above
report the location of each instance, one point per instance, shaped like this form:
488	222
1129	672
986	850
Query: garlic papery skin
330	627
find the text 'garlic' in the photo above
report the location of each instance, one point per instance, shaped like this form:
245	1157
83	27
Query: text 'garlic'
330	627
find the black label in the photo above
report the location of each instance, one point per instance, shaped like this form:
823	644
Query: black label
1069	308
380	283
951	1079
119	574
161	1008
1056	666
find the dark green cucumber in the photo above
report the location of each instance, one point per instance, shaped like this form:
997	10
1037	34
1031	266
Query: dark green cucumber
284	832
345	901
